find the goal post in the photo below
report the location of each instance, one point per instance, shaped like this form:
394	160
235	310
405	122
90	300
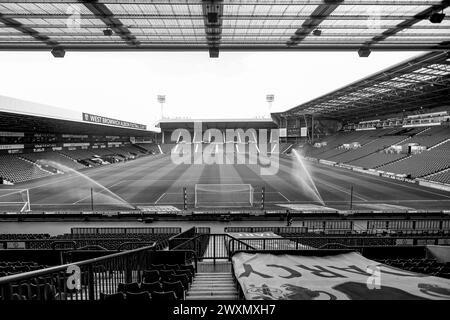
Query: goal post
223	195
16	200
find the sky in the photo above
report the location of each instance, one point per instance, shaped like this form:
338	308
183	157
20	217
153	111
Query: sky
125	85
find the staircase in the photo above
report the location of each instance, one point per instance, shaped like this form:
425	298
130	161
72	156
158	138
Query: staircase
213	286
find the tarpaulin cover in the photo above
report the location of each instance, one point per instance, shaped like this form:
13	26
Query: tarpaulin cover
339	276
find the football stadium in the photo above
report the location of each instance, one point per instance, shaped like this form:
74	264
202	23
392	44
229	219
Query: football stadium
345	196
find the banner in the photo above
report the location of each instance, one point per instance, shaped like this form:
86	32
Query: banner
347	276
15	245
112	122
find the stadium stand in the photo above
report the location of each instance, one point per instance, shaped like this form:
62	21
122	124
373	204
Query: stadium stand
442	177
150	147
431	136
378	159
370	147
55	157
422	164
15	169
27	166
78	154
8	268
375	152
425	266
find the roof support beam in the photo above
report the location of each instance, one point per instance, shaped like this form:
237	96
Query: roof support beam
102	12
406	24
11	23
212	17
319	15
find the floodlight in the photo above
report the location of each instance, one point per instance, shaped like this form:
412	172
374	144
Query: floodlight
58	52
108	32
437	17
364	52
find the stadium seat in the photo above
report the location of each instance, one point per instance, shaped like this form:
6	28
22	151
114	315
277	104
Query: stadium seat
177	287
129	287
172	267
151	275
112	297
182	278
138	297
152	286
164	296
166	274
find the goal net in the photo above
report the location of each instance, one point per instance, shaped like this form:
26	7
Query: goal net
14	200
223	195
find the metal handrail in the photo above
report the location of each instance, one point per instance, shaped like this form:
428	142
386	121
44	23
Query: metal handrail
43	272
227	239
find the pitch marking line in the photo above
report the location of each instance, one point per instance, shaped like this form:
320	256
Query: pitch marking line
87	197
342	190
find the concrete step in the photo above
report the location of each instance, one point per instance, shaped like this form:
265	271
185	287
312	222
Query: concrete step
212	286
209	293
207	297
208	289
212	280
213	276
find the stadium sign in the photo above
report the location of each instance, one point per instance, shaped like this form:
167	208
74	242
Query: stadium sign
11	146
87	117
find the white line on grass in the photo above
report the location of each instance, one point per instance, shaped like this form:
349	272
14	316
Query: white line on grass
87	197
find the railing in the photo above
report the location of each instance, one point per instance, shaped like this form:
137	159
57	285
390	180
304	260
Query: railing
186	235
83	280
309	243
214	246
124	230
76	243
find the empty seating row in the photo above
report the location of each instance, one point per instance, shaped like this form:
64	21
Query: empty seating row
106	241
425	163
377	159
426	266
15	169
46	158
431	136
442	177
79	154
368	148
16	267
23	236
150	147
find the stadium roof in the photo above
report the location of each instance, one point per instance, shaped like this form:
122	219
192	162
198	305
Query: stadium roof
25	116
217	25
420	83
256	123
36	124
